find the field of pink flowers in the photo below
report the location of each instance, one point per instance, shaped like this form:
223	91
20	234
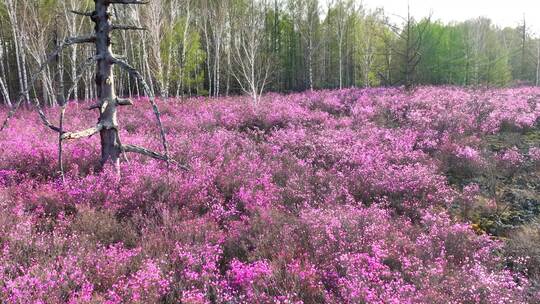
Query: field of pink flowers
352	196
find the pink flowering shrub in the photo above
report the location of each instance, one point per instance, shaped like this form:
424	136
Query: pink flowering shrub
469	154
534	155
147	285
511	157
510	160
319	197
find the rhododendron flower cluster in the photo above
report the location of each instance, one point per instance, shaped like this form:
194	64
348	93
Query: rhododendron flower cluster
317	197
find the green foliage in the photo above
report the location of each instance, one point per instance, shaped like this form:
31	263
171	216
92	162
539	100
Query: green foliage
301	39
195	56
470	53
187	62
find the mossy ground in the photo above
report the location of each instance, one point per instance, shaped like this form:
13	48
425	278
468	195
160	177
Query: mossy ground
513	196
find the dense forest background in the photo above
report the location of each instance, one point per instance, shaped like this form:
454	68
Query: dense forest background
222	47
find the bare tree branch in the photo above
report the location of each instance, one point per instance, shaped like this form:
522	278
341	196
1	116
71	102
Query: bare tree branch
128	27
135	74
144	151
87	14
124	102
82	67
79	40
22	94
44	119
119	101
127	2
42	115
94	107
84	133
152	154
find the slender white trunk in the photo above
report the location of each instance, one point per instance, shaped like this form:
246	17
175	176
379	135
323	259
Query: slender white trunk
18	59
44	93
60	95
24	75
208	60
5	93
74	72
368	57
538	65
3	78
168	72
340	65
184	47
21	61
228	74
3	84
217	67
147	66
310	63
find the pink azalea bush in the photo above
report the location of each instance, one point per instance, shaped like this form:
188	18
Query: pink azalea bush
534	154
318	197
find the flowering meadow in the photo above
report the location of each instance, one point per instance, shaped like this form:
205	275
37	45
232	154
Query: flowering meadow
350	196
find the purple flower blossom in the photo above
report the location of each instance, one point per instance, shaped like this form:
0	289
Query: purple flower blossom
317	197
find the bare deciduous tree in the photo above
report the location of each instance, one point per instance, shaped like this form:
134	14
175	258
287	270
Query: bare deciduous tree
3	79
538	64
343	9
11	6
154	19
253	66
367	35
36	43
306	16
412	37
74	25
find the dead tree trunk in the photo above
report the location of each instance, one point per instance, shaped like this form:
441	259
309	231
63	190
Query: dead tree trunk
110	143
108	103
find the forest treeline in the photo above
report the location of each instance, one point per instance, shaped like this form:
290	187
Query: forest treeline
222	47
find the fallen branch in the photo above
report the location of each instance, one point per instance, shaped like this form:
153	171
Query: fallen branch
152	154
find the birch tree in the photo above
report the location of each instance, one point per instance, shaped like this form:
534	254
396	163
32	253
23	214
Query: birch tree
343	9
367	35
20	55
154	21
39	23
74	26
306	16
3	75
537	82
252	65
